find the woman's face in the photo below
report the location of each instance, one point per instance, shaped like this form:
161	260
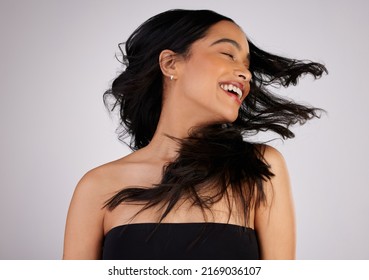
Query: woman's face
215	77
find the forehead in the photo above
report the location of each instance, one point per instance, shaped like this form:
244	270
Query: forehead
228	30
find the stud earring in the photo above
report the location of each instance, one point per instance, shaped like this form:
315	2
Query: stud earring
171	77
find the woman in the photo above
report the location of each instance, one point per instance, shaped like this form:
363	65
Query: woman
193	90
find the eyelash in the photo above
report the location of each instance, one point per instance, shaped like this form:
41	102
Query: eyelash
229	55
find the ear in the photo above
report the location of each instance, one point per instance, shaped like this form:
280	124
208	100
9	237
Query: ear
168	63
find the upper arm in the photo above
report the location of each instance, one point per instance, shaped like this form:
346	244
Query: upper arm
274	219
84	226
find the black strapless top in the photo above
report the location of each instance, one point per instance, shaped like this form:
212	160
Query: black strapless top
180	241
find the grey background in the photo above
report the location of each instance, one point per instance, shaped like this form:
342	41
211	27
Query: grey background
57	58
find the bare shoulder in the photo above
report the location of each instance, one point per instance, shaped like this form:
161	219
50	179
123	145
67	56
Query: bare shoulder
108	177
277	165
84	229
279	183
274	220
99	177
96	182
272	156
100	183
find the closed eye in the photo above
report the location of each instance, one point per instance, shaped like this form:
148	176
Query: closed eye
229	55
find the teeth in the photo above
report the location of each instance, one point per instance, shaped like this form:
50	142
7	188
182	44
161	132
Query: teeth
229	87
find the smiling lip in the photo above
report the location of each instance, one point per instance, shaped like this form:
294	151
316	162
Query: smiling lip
235	97
238	85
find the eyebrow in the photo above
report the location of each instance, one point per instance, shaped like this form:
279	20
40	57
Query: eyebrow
232	42
227	40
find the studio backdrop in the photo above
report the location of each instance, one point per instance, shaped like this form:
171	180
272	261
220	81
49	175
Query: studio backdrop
58	57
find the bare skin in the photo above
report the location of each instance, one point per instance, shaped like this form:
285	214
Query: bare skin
193	97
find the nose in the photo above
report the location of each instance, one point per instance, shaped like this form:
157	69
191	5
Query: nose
244	74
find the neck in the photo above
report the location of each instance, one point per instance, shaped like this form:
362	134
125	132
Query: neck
175	121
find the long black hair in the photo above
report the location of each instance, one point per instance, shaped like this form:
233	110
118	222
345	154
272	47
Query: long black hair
216	157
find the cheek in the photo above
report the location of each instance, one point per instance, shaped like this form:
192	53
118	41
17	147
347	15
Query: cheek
200	79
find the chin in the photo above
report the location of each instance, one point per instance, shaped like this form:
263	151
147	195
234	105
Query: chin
232	117
227	120
228	116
